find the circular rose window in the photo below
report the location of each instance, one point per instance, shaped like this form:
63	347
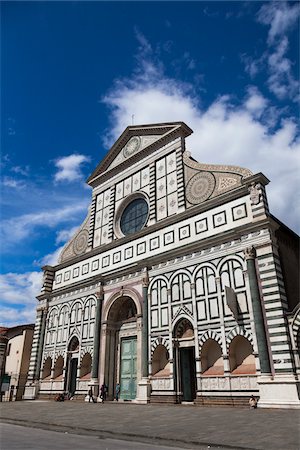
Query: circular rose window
134	216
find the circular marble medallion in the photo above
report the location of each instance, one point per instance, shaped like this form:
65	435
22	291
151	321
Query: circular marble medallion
132	146
200	187
81	242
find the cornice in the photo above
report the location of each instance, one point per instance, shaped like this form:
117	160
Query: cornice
179	130
190	212
139	267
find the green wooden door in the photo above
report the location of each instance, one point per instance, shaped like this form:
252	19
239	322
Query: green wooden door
128	369
187	363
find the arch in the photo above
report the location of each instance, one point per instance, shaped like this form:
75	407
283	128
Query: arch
58	368
241	358
205	281
153	281
73	344
158	293
180	285
90	298
160	341
224	260
132	293
160	362
52	317
210	334
63	315
212	363
76	312
201	266
46	372
238	331
86	366
183	328
179	272
296	328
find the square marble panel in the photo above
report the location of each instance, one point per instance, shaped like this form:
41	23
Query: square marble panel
219	219
116	257
141	248
169	238
239	212
128	252
95	265
184	232
201	226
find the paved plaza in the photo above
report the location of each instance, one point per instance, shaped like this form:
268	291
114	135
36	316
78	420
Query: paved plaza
174	425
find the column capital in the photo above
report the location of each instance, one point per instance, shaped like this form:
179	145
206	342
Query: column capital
250	253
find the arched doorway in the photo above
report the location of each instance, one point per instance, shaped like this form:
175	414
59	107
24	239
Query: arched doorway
185	360
72	365
121	348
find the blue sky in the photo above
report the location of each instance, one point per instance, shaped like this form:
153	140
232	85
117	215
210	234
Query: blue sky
74	73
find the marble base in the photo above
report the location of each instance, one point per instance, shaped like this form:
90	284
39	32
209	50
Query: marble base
31	391
143	391
282	391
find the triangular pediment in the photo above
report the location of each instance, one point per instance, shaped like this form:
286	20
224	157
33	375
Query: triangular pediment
134	141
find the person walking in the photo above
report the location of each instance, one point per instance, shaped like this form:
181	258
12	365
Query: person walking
103	392
117	392
91	397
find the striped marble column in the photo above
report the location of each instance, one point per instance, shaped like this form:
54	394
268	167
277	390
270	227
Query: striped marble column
145	345
250	255
96	347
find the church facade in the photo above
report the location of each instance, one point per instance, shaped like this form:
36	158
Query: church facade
180	285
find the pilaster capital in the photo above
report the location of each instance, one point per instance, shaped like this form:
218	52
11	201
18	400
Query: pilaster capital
250	253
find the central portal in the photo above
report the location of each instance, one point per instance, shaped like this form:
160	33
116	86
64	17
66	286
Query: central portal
121	348
128	370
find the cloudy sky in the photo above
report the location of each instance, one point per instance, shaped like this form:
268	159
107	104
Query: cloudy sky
73	75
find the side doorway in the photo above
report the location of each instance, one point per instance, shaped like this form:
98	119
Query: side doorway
184	351
187	373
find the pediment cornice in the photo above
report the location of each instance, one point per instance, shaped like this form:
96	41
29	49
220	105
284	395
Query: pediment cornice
167	132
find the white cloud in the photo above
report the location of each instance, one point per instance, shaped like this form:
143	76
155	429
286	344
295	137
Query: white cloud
69	167
280	16
18	292
224	133
13	183
255	103
63	236
281	80
18	228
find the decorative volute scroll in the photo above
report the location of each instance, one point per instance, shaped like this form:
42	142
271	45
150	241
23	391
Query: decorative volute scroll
79	243
205	181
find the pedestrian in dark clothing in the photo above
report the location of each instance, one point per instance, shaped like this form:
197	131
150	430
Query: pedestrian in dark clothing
103	392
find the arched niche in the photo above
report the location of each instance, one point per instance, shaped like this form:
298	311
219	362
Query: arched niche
160	362
46	372
86	367
212	359
241	358
58	368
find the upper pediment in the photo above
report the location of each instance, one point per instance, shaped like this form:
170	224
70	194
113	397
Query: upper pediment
134	140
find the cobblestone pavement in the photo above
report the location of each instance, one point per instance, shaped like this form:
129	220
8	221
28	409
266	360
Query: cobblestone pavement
176	425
